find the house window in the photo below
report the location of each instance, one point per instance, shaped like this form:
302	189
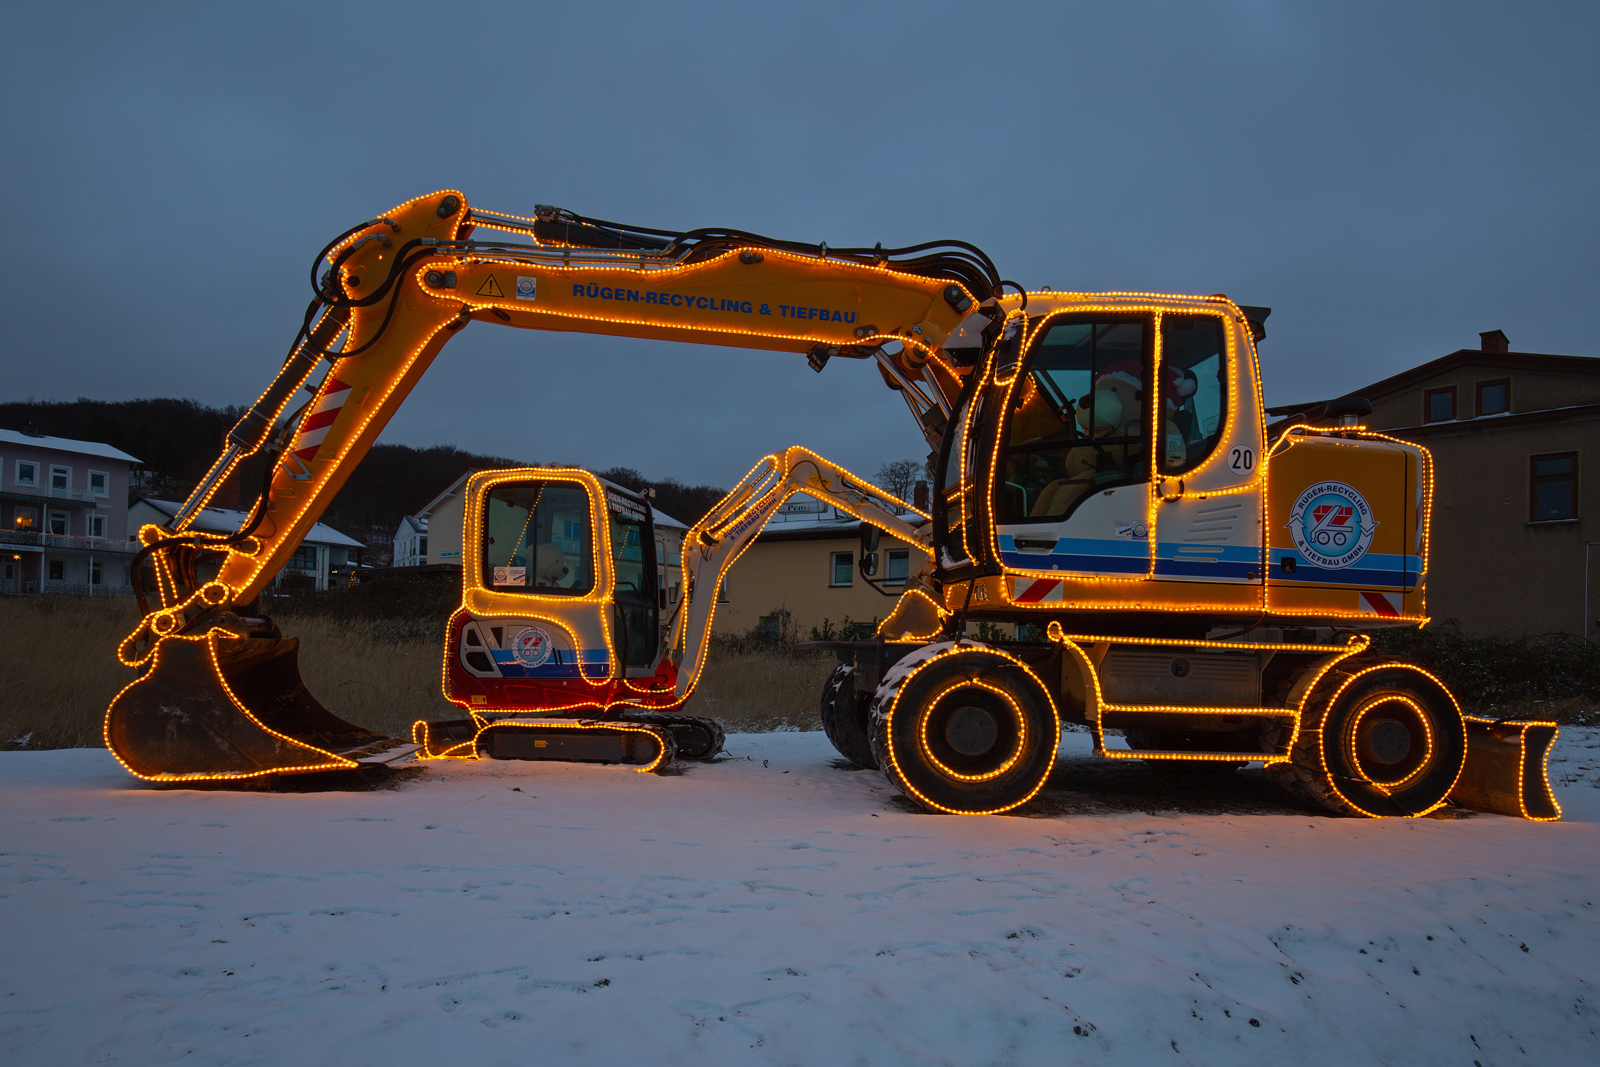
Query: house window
899	567
57	522
843	569
304	559
422	546
94	573
1439	405
1494	398
722	592
58	570
27	518
60	481
27	473
1553	485
97	525
99	483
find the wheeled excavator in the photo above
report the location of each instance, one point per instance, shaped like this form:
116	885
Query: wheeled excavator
1191	585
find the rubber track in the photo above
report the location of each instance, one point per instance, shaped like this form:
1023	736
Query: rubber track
651	718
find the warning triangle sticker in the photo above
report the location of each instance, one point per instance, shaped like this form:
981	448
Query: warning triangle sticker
490	287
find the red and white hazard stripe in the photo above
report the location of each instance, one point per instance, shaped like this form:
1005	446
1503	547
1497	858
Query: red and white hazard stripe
1036	590
314	427
1378	603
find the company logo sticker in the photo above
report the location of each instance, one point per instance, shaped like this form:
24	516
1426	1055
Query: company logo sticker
531	647
527	288
1332	525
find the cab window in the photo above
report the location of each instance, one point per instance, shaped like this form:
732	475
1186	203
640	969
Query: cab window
537	539
1194	390
1078	420
635	584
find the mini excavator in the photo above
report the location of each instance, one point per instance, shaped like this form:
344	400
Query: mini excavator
1195	587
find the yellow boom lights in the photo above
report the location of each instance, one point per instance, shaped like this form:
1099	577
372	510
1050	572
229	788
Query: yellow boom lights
1209	590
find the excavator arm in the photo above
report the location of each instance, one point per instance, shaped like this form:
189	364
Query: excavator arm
715	543
394	291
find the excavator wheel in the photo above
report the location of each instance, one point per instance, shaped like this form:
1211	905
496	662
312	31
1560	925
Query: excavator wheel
964	729
1378	739
845	717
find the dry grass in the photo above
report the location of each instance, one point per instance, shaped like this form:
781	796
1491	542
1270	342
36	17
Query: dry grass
58	671
760	691
58	667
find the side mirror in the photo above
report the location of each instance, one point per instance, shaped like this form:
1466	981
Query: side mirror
869	549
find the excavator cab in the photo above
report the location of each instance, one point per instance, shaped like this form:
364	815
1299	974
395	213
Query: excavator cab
560	606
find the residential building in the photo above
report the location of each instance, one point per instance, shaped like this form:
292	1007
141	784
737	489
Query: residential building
324	557
436	532
805	564
411	542
1515	438
63	515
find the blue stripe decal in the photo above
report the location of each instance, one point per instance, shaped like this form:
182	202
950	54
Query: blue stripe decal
1053	561
1222	562
1378	569
596	664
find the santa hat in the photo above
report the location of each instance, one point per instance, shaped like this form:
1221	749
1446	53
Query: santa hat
1177	382
1127	371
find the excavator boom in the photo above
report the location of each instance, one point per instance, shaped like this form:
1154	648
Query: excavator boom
395	290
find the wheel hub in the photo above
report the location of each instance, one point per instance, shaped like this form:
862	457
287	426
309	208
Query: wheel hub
971	731
1390	741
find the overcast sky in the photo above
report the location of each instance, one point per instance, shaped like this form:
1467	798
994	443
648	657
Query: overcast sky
1391	178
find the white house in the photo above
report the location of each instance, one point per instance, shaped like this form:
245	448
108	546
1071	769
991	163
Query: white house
324	552
411	542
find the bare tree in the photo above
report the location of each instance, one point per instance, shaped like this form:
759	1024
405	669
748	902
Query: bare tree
899	476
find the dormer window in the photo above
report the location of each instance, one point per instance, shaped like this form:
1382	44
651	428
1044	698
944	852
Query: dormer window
1494	398
1439	405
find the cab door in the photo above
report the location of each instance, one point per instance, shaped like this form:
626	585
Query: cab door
1208	487
1072	495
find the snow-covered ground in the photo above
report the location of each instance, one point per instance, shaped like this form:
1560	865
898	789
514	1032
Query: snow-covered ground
775	909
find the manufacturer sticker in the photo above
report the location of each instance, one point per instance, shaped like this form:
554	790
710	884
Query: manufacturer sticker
527	288
1133	531
531	647
511	576
1332	525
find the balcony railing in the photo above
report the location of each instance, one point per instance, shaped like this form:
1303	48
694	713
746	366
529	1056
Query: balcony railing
82	544
50	492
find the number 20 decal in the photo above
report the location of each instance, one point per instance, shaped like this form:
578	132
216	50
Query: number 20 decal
1242	461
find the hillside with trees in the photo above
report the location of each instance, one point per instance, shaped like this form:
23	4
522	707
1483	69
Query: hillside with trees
176	442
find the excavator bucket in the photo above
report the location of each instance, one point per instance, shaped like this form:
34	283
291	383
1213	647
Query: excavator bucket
1506	769
217	706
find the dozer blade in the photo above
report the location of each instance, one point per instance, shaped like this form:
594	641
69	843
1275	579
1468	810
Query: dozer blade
1505	770
217	706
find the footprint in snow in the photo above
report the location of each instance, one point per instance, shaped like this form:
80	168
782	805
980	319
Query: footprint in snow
481	1009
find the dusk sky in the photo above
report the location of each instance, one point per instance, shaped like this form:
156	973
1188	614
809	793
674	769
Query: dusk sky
1391	178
